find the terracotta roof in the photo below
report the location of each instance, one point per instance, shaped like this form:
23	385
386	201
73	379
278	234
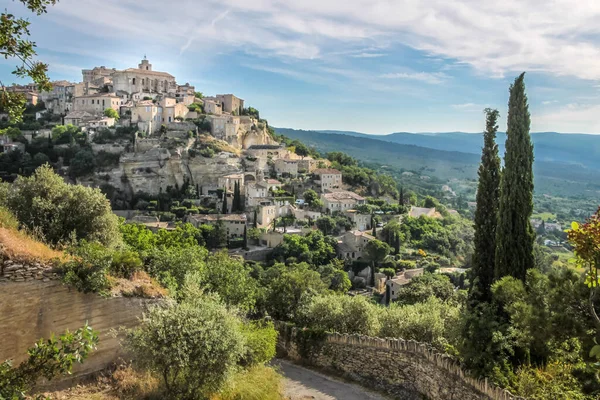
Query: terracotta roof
217	217
148	72
342	195
320	171
273	182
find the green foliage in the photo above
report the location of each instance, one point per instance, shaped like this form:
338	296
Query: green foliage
82	164
486	214
87	270
66	134
47	205
285	286
261	339
170	265
420	288
312	199
14	43
47	359
515	235
340	313
377	250
432	321
314	248
193	345
111	113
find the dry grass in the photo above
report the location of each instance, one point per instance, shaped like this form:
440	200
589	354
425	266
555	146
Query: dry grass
19	245
140	285
220	144
257	383
125	383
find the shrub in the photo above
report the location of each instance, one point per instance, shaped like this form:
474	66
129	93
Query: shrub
194	345
261	339
47	359
244	385
125	264
406	264
87	270
58	211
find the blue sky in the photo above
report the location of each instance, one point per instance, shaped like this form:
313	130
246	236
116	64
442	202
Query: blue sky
374	67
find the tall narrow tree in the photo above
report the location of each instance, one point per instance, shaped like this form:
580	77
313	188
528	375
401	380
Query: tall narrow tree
514	234
401	197
225	208
255	222
486	214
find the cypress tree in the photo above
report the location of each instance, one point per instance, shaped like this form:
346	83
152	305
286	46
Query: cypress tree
486	214
401	197
224	210
514	234
397	244
255	223
245	244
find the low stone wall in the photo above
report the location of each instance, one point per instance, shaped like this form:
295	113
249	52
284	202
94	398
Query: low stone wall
16	271
32	308
404	369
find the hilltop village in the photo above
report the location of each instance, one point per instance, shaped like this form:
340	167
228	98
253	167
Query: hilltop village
164	153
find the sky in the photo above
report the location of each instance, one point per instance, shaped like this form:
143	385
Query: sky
369	66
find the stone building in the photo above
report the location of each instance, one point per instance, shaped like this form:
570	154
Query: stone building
230	103
328	178
341	201
233	223
212	107
351	245
98	75
362	222
286	167
228	182
97	103
143	79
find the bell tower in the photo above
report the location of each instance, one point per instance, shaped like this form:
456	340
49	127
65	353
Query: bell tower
145	64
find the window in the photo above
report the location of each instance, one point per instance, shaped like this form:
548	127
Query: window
134	81
92	101
103	102
147	109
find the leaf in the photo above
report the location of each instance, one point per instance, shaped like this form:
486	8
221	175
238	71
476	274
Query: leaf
595	351
574	225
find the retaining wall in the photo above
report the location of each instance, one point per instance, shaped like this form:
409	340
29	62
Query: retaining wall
404	369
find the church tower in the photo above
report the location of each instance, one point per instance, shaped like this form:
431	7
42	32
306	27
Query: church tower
145	64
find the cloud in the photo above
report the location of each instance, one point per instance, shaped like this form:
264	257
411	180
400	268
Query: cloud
368	55
548	102
494	38
468	107
428	77
573	117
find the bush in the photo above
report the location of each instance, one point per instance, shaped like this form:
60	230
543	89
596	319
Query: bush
47	359
261	339
87	270
46	204
125	264
406	264
194	345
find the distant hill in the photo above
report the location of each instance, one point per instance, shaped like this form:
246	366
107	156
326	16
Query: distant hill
569	148
565	165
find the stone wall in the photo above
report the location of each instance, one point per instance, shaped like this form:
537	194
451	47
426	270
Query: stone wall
34	305
404	369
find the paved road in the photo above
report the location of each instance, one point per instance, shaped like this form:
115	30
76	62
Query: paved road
304	384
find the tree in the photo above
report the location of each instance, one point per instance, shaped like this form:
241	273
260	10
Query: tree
255	221
46	204
225	208
311	198
83	163
420	288
401	197
245	245
111	113
198	95
47	359
14	43
374	226
377	250
585	240
486	214
326	225
301	149
515	235
193	345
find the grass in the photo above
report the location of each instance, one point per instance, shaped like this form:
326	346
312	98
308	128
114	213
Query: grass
17	244
545	216
140	285
257	383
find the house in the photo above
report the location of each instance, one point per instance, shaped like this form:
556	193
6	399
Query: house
102	122
143	79
172	109
212	107
286	167
7	144
362	222
96	103
307	164
230	103
78	118
98	74
229	181
60	98
147	115
266	214
417	212
341	201
233	223
256	191
351	245
403	278
328	178
552	226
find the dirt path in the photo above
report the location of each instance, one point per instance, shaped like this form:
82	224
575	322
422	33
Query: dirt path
303	384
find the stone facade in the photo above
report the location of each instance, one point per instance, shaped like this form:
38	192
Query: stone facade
405	369
97	103
34	305
143	79
230	103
